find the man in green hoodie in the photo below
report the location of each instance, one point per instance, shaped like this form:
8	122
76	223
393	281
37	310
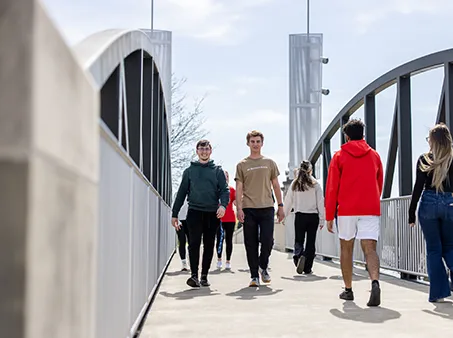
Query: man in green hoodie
204	184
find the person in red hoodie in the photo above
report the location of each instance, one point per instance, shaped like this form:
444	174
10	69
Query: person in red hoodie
353	192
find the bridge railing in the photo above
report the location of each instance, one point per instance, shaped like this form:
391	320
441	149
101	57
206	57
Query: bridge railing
131	73
400	247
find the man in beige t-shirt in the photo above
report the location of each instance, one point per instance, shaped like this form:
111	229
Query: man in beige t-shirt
256	175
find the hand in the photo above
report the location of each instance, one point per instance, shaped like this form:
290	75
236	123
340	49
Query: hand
321	225
280	214
240	215
175	223
330	226
220	212
411	225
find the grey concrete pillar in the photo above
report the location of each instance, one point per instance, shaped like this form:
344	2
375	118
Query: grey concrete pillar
49	156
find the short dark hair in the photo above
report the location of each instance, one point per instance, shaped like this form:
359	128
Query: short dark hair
203	143
255	133
354	129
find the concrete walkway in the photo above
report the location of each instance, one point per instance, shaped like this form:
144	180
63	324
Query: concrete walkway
292	306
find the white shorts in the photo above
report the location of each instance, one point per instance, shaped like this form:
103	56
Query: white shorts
360	227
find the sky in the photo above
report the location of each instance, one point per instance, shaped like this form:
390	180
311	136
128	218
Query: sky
234	53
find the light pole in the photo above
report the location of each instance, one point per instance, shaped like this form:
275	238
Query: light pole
152	17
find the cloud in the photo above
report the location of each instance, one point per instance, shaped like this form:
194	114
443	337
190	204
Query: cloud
251	80
212	20
370	14
257	118
242	92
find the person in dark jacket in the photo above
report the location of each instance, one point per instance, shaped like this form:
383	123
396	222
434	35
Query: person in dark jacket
204	184
434	184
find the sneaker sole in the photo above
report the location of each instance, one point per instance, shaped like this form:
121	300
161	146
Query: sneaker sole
265	281
254	285
301	265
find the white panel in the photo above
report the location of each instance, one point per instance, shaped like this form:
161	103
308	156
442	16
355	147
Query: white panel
113	244
139	246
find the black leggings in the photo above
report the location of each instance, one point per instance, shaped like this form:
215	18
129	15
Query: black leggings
183	238
306	224
225	231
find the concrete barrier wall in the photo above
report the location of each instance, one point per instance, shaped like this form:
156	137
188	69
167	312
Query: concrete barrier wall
49	159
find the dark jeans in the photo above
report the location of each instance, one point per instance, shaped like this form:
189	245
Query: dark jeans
201	224
306	224
225	231
436	220
258	226
183	234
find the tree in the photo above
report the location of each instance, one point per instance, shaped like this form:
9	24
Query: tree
186	130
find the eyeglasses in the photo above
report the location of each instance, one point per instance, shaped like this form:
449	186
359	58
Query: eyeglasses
204	149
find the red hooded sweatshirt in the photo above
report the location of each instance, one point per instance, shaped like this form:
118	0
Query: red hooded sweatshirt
354	182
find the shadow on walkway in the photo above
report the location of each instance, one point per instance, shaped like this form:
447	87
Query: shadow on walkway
249	293
177	273
443	310
375	315
305	278
191	293
355	277
222	271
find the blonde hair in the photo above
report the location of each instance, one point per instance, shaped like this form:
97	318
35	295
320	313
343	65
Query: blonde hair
439	159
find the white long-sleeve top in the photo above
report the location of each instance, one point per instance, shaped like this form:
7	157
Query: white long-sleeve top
310	201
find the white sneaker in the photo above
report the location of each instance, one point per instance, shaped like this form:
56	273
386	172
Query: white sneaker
228	266
184	266
219	264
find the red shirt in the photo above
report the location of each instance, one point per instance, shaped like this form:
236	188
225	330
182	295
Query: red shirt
354	182
229	212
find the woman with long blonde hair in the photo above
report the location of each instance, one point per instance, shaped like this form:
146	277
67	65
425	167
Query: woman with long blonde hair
434	182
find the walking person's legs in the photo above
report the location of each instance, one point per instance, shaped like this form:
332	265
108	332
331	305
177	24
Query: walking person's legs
347	229
181	233
210	225
195	228
312	224
181	244
219	244
251	242
368	229
431	215
447	238
266	223
228	228
299	239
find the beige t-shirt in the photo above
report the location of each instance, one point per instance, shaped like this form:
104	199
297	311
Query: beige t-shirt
256	176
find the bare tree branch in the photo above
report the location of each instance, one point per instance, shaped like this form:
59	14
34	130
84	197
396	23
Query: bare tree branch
186	129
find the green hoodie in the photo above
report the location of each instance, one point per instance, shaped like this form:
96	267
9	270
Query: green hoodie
204	184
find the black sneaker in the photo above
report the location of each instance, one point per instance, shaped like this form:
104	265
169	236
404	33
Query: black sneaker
295	260
375	297
204	281
193	282
300	265
347	295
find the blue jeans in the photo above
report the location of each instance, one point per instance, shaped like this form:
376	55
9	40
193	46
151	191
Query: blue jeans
436	220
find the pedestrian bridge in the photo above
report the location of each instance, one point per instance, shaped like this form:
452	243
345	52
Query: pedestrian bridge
85	194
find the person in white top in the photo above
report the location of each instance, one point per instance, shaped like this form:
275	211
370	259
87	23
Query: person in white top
305	196
183	235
